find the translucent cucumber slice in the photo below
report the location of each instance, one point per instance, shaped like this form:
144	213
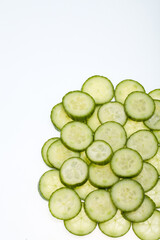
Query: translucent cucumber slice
155	161
93	121
155	94
132	126
154	194
84	157
154	121
85	189
157	134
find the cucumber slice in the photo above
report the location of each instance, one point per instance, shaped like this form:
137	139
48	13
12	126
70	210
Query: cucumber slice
116	227
144	142
99	152
100	88
154	122
102	176
155	161
64	203
49	183
84	157
81	224
157	134
133	126
154	194
76	136
125	87
93	122
144	212
148	177
126	163
74	172
112	111
149	229
112	133
127	195
45	149
85	189
155	94
59	117
57	153
78	105
104	209
139	106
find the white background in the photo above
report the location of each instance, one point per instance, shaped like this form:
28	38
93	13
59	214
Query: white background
48	48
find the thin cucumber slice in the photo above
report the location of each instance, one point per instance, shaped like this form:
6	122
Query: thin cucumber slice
99	206
78	105
132	126
112	111
144	142
148	177
99	152
157	134
45	149
85	189
64	203
144	212
127	195
100	88
81	224
116	227
139	106
93	121
57	153
154	194
126	162
155	161
155	94
76	136
49	183
154	122
149	229
102	176
112	133
59	117
84	157
125	87
74	172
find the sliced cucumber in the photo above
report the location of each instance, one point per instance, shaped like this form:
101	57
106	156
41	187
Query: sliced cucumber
154	194
78	105
93	122
84	157
81	224
116	227
85	189
139	106
64	203
155	161
126	162
99	152
125	87
144	212
148	177
157	134
155	94
76	136
102	176
112	111
144	142
154	121
112	133
74	172
100	88
45	149
149	229
99	206
134	126
57	153
127	195
59	117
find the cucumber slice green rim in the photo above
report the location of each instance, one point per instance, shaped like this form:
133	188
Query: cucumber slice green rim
84	157
74	172
64	203
139	106
157	134
93	121
78	105
99	152
85	189
155	94
154	122
155	161
126	162
81	224
104	209
154	194
132	126
115	227
100	88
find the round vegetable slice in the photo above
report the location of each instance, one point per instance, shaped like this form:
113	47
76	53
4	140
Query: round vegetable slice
155	94
93	121
154	121
132	126
154	194
85	189
157	134
155	161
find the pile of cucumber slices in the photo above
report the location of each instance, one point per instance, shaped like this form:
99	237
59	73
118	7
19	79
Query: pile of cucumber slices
105	166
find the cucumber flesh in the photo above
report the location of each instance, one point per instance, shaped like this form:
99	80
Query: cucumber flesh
93	121
155	161
132	126
155	94
154	194
85	189
154	121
